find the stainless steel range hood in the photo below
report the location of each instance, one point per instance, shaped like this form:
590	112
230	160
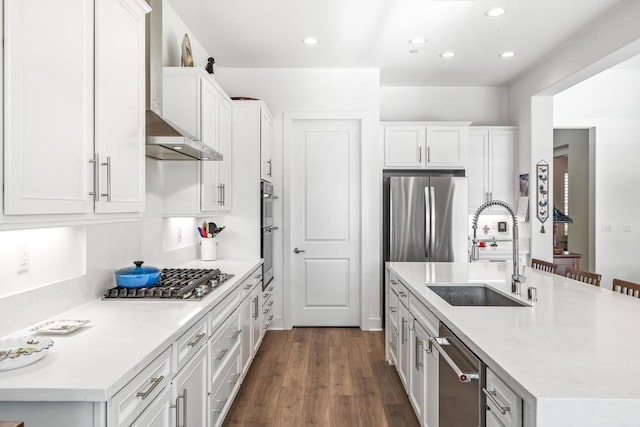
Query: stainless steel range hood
165	141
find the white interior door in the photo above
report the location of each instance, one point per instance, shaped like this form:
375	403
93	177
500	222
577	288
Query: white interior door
325	222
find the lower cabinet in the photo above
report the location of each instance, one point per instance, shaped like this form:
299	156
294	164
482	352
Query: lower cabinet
159	413
225	389
190	392
256	317
403	346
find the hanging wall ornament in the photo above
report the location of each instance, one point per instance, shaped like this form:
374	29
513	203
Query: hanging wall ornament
542	193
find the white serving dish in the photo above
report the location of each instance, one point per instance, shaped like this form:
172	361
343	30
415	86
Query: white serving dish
17	352
60	326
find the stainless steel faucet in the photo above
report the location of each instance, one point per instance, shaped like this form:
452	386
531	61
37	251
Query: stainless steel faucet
516	278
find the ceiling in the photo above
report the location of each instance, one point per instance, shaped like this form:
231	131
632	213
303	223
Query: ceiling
375	33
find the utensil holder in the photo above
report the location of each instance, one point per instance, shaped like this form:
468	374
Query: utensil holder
209	249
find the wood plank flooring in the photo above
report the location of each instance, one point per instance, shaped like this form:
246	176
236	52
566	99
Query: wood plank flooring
322	377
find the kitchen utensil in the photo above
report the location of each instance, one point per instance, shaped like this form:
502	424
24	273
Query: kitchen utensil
17	352
138	276
212	228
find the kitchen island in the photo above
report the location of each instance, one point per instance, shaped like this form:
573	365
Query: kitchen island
85	374
572	356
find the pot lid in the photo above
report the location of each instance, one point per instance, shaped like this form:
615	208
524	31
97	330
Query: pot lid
137	270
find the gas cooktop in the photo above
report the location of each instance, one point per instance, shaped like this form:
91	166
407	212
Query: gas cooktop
177	284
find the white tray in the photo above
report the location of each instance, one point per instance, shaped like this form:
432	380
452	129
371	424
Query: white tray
22	351
60	326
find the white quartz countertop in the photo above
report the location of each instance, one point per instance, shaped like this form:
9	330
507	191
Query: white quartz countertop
123	336
578	342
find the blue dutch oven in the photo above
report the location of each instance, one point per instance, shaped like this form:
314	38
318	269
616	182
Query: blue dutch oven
138	276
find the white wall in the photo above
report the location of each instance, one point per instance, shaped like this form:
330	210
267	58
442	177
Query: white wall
312	90
173	30
612	39
481	105
610	103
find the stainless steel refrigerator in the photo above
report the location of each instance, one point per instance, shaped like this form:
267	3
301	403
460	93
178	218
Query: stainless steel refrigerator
426	216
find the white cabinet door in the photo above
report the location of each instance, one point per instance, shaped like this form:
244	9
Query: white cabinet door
190	391
403	346
159	413
417	341
404	146
246	351
256	318
225	148
492	420
477	165
211	192
48	106
266	130
119	104
502	179
447	146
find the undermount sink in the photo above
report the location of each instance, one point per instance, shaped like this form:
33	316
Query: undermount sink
475	296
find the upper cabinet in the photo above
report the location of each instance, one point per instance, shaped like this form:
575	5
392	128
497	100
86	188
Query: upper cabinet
425	145
194	102
266	132
491	169
67	152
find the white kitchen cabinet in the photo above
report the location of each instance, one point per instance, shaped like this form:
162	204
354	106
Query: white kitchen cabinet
266	136
403	346
249	323
159	413
56	161
491	166
418	339
256	318
504	406
190	387
194	102
425	145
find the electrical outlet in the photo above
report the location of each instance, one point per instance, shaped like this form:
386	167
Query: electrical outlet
626	228
23	259
179	234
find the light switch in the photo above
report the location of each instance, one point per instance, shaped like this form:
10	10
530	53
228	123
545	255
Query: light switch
606	228
626	228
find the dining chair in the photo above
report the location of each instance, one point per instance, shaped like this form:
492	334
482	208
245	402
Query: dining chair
626	287
584	276
539	264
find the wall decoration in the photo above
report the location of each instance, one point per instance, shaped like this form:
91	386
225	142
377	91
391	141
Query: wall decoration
209	66
187	54
542	197
524	185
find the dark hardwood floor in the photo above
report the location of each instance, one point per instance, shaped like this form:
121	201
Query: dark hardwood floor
321	377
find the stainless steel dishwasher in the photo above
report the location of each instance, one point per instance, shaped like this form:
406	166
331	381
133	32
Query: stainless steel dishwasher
460	382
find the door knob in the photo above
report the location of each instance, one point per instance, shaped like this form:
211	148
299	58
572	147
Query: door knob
297	251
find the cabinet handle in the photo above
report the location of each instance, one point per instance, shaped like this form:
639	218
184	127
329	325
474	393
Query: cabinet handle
270	318
108	165
222	353
392	309
236	334
235	379
269	163
154	383
270	303
403	294
96	177
255	313
419	154
265	311
196	340
492	397
224	194
249	286
219	194
402	332
428	154
417	354
270	288
257	276
394	282
221	407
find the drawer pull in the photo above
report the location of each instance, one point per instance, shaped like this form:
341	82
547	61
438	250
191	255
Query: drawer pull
197	339
392	309
266	326
222	353
394	282
492	397
270	303
236	334
257	276
265	311
154	383
271	289
235	379
403	294
221	407
249	286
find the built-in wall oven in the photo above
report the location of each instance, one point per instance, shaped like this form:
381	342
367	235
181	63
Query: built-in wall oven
267	229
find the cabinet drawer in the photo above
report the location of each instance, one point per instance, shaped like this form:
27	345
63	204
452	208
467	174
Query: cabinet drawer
393	282
224	342
403	294
131	401
227	383
423	315
223	310
267	294
254	278
503	402
393	306
190	342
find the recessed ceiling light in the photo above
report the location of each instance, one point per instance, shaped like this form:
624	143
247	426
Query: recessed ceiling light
496	11
507	54
177	147
414	51
205	158
448	54
418	40
310	41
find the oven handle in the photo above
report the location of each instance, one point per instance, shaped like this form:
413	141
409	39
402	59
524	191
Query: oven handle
465	377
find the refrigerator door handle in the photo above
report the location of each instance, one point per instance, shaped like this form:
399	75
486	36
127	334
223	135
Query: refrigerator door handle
427	221
432	215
